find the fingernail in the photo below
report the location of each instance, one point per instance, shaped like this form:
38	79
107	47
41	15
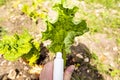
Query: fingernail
71	69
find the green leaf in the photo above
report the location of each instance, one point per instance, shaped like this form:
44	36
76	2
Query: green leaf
32	55
13	47
68	41
63	31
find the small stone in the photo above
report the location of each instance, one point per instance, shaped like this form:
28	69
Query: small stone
76	68
86	60
20	6
79	56
3	62
28	78
24	63
115	48
47	42
24	76
9	63
12	74
18	76
26	68
88	71
20	73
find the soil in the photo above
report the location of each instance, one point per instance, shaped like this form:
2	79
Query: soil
13	20
84	71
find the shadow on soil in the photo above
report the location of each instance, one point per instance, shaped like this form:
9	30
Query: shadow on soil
81	58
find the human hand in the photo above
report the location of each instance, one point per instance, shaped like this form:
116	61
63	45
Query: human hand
47	72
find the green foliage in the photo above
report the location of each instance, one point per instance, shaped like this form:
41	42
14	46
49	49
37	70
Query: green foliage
14	47
115	73
118	41
33	11
2	31
32	55
94	56
2	2
97	14
107	3
64	30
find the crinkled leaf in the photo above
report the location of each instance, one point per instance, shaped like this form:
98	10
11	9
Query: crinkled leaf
13	47
63	31
32	56
68	41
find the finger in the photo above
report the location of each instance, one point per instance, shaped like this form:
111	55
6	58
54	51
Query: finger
47	72
68	72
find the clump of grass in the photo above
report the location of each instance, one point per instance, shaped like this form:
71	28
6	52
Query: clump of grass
2	2
2	31
106	3
99	17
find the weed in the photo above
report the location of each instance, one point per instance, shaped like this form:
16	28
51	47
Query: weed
2	2
107	3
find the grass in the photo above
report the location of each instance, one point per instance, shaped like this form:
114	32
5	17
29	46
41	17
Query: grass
106	3
101	14
103	68
2	2
115	72
118	41
2	31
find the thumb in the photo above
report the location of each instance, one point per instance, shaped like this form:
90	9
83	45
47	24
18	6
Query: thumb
46	73
68	72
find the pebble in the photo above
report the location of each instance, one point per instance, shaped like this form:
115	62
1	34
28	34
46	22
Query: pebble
79	56
3	62
18	76
24	76
26	68
86	60
12	74
28	78
24	63
20	6
47	42
115	49
9	63
20	73
88	71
